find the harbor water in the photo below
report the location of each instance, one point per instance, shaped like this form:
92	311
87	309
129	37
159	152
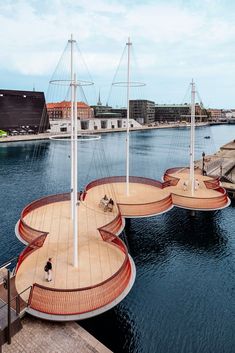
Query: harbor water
183	300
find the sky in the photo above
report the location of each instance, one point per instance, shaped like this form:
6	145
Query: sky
174	41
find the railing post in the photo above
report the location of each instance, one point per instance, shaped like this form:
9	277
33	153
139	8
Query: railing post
18	305
30	295
8	307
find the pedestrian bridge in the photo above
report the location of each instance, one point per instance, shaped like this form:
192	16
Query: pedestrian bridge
106	271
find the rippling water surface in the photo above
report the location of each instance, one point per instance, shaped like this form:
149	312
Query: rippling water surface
183	299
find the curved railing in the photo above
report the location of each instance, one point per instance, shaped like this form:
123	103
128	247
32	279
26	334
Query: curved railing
221	190
138	210
112	227
198	203
34	245
122	179
81	300
169	179
213	183
28	233
147	209
174	170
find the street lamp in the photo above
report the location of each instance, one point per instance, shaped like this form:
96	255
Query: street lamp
203	163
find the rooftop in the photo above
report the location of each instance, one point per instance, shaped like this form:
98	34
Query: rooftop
66	104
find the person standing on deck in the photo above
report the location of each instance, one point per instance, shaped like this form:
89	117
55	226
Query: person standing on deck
185	185
48	269
196	184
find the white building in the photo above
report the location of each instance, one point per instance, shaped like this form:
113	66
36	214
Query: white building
64	125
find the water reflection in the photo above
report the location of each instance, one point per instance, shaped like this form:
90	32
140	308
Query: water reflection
153	240
21	151
122	320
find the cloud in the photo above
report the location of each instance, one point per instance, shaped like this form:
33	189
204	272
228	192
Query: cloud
172	39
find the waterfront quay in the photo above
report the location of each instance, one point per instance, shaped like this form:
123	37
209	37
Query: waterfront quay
222	165
47	135
46	336
30	335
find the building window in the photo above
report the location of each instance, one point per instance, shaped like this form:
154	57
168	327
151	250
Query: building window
84	125
103	124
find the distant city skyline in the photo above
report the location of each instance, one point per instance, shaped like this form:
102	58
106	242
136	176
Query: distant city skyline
174	42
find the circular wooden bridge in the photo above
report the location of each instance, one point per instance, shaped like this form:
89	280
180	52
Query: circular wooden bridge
106	272
208	195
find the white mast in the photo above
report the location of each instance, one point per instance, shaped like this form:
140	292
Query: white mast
71	41
75	179
192	139
74	211
128	118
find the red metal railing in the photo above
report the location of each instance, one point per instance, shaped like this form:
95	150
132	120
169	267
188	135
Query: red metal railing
114	226
81	300
28	233
169	181
147	209
122	179
201	203
34	245
213	183
169	178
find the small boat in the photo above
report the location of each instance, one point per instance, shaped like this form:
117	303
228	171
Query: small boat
207	137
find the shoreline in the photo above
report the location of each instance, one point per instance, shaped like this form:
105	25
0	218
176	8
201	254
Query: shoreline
47	135
34	332
221	165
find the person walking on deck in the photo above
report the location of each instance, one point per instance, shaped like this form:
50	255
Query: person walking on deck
48	270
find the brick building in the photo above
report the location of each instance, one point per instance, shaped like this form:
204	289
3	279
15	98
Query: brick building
216	114
62	110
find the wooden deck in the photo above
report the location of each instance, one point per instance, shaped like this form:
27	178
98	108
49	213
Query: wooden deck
98	260
201	192
143	199
138	193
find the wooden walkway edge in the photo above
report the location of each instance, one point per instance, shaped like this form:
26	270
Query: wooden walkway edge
39	336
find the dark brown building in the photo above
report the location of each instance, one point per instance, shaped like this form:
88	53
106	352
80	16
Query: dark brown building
121	111
23	111
178	112
142	110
